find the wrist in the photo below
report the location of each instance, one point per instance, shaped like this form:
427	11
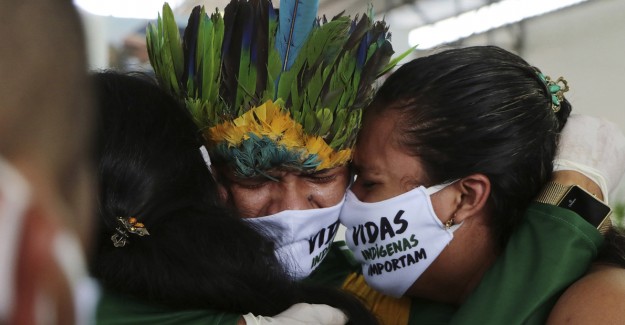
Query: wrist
571	177
576	199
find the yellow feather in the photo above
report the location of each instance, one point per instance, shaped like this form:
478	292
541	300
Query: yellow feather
274	122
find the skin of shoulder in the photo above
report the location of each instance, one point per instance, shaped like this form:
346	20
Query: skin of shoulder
596	298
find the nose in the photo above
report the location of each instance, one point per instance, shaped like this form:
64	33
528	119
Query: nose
288	196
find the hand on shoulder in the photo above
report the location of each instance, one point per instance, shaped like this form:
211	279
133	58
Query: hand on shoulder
596	298
299	314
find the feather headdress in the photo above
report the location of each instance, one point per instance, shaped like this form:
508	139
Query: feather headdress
272	88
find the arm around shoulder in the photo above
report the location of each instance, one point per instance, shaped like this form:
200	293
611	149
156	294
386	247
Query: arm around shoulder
596	298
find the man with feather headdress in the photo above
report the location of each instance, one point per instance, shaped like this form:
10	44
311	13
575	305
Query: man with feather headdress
278	95
45	167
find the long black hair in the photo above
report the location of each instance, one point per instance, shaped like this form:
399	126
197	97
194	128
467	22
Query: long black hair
478	110
197	254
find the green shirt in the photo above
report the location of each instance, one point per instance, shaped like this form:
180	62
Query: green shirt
116	309
552	248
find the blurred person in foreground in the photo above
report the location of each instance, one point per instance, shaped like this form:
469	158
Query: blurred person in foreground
45	184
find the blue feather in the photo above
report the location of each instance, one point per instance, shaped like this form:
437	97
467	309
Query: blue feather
296	21
189	46
361	57
259	153
248	30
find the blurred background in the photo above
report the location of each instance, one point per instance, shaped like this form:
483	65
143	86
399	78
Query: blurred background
581	40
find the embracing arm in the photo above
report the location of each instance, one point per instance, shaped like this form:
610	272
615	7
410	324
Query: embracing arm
597	298
594	148
599	149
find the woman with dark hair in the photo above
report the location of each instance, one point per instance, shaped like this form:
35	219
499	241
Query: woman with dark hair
166	252
453	151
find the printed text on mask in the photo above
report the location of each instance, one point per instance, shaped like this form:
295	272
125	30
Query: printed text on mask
320	239
383	230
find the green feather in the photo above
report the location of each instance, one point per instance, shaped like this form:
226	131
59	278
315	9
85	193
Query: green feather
208	58
154	50
246	79
307	73
325	119
197	111
274	63
326	88
165	51
203	43
310	121
339	120
172	41
213	69
353	125
396	60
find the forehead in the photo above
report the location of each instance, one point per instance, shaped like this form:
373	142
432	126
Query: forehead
280	171
378	151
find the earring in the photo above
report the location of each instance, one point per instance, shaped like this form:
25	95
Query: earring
449	223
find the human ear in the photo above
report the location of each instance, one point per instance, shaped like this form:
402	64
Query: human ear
222	190
223	193
474	191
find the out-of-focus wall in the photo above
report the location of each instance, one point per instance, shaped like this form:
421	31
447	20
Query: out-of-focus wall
586	45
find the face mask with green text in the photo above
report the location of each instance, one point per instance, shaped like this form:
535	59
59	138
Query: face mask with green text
395	240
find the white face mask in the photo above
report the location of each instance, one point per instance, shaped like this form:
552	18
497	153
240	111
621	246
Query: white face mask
14	199
395	240
302	237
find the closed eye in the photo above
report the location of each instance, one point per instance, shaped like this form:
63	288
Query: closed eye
368	184
364	183
321	177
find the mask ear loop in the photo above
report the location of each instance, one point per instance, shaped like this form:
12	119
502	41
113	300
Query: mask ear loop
207	158
209	164
436	188
450	224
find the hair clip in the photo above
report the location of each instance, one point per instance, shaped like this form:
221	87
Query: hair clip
126	227
555	89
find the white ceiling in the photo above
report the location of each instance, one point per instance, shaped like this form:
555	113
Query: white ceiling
400	14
